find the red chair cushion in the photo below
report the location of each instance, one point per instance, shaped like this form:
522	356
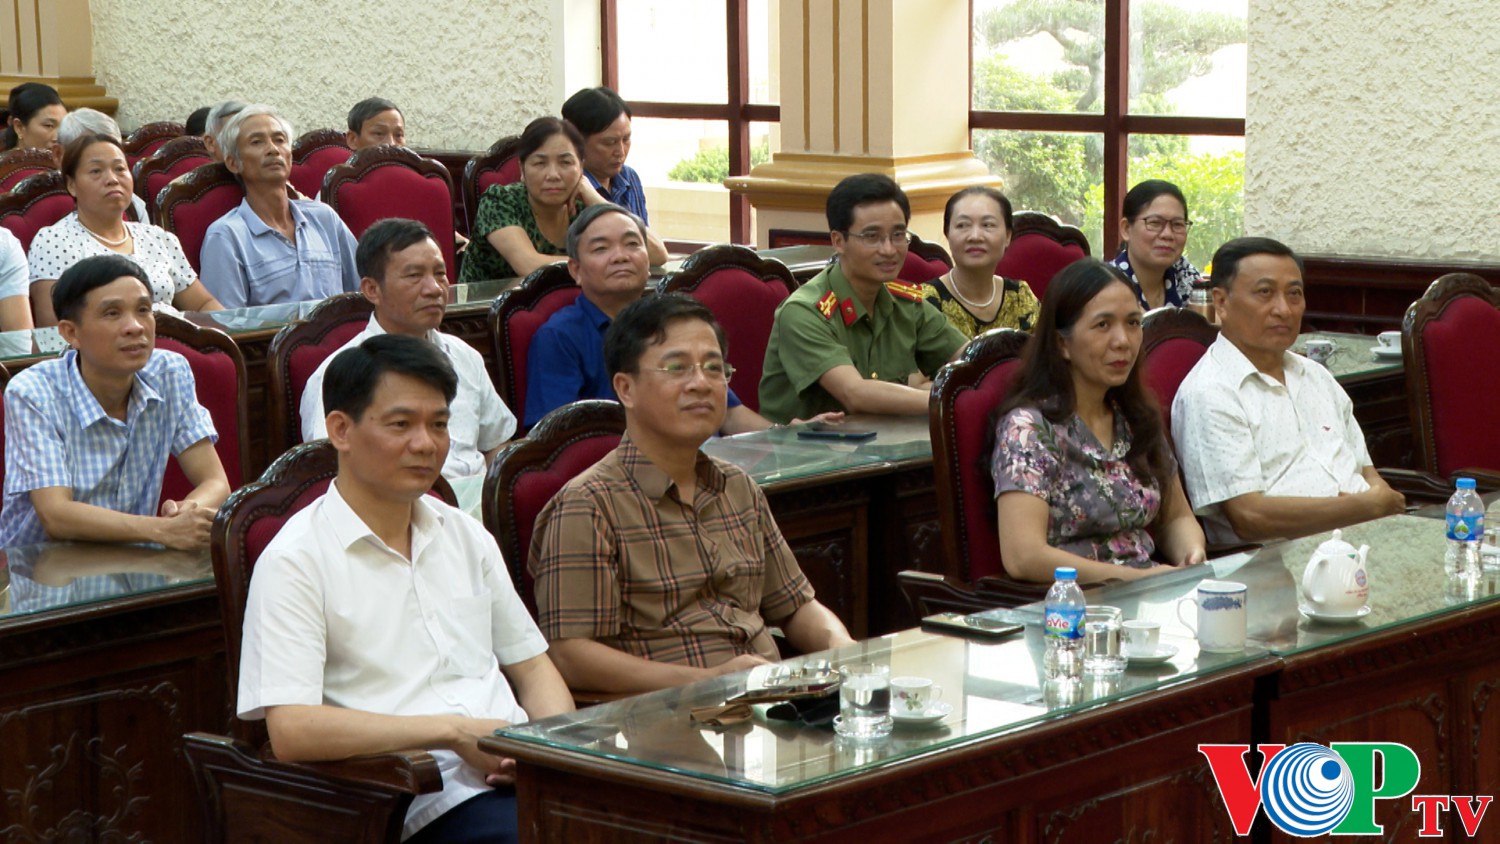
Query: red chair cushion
265	528
1464	410
918	270
148	150
190	222
532	489
215	381
971	415
396	191
158	181
39	215
746	308
507	173
16	176
1036	259
305	360
1164	369
522	325
307	176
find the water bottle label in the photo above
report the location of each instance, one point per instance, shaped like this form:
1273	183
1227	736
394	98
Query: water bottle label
1064	622
1466	528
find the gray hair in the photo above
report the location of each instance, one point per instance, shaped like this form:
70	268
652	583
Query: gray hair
229	136
587	217
86	121
220	114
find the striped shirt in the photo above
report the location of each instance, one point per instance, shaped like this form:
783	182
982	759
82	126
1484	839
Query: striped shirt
620	559
58	435
624	190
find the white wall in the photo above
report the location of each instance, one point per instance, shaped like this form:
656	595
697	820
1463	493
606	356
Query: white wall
1371	127
463	72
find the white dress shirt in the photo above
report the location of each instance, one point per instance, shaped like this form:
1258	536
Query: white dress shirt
336	617
1238	431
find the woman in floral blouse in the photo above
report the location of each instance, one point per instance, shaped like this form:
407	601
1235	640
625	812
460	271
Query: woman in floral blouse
1153	234
1081	463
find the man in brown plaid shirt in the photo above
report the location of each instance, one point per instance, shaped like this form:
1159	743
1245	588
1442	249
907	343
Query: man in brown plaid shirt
659	565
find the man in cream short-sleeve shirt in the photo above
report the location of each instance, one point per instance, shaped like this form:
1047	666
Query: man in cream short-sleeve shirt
1267	439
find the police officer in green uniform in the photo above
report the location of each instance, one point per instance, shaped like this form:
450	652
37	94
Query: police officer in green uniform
852	338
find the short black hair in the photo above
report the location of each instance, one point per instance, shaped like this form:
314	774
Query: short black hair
980	190
197	122
593	109
382	240
644	322
540	130
366	109
88	275
861	189
354	374
1227	258
1140	197
24	102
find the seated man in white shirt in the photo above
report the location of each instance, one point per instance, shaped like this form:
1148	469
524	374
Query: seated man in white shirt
381	619
1267	439
402	273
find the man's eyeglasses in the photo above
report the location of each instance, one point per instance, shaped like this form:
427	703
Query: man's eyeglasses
872	240
1155	224
714	370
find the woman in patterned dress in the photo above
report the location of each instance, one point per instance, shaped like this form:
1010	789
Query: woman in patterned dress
977	222
1153	234
1081	463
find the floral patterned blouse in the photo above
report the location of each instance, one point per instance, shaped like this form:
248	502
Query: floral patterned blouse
1098	508
501	206
1018	307
1177	281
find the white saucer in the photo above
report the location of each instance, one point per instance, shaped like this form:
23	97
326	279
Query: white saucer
936	712
1383	352
1334	617
1163	653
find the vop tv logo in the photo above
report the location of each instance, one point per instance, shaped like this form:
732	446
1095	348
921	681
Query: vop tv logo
1308	789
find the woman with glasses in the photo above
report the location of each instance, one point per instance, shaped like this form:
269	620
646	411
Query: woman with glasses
977	221
1153	234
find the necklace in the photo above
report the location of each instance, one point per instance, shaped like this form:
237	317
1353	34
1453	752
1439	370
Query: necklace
978	306
106	241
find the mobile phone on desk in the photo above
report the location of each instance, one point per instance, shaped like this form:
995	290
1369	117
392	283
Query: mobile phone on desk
970	625
824	431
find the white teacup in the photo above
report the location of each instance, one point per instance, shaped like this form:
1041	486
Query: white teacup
1221	617
1390	340
1140	637
911	697
1319	350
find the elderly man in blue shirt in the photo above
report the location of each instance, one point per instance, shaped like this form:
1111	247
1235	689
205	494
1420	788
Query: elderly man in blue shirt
273	248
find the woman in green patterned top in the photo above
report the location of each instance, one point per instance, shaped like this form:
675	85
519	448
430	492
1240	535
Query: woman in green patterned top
521	227
977	222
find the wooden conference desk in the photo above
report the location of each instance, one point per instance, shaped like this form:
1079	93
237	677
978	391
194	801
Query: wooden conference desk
1016	762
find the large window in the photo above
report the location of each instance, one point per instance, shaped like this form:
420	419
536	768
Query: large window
1076	100
701	79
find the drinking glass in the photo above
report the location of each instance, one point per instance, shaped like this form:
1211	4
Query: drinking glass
864	701
1101	641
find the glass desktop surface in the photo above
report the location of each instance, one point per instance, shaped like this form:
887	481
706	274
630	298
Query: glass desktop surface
1353	357
67	575
1404	566
994	689
777	455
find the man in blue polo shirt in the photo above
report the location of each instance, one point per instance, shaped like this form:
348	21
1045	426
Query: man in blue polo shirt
87	435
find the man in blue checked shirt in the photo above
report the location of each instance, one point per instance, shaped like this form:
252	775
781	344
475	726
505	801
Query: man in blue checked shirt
87	435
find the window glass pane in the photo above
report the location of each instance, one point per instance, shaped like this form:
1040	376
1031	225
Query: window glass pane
764	61
683	164
651	70
1188	57
1053	172
1031	55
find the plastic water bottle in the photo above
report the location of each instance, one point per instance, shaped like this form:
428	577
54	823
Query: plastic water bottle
1063	622
1465	531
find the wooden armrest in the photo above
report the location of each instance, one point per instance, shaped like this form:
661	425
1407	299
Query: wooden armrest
1426	487
1485	479
411	771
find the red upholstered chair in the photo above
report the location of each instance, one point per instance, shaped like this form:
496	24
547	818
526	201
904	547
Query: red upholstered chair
527	472
1448	335
18	164
313	155
172	159
298	350
1172	341
1039	247
219	378
145	141
248	794
515	318
187	206
391	181
965	394
925	261
743	290
497	166
36	203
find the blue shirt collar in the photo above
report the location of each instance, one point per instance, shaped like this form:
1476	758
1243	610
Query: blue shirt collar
85	404
597	318
257	227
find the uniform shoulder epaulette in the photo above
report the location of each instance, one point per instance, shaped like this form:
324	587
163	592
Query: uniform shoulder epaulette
826	304
902	290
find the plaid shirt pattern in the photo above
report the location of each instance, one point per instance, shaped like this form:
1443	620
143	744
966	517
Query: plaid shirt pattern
617	557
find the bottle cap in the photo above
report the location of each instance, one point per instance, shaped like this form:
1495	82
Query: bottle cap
1070	573
1463	483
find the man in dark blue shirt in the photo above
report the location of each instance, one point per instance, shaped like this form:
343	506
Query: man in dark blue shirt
604	121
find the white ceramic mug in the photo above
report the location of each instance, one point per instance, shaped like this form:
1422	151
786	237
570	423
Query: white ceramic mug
1389	340
1319	351
1140	637
1221	618
911	697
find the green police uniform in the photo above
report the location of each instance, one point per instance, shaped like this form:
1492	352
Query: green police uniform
824	325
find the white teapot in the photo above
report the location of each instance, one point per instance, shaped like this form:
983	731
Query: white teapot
1335	580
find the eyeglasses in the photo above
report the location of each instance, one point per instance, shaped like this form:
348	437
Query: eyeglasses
872	240
716	371
1155	224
